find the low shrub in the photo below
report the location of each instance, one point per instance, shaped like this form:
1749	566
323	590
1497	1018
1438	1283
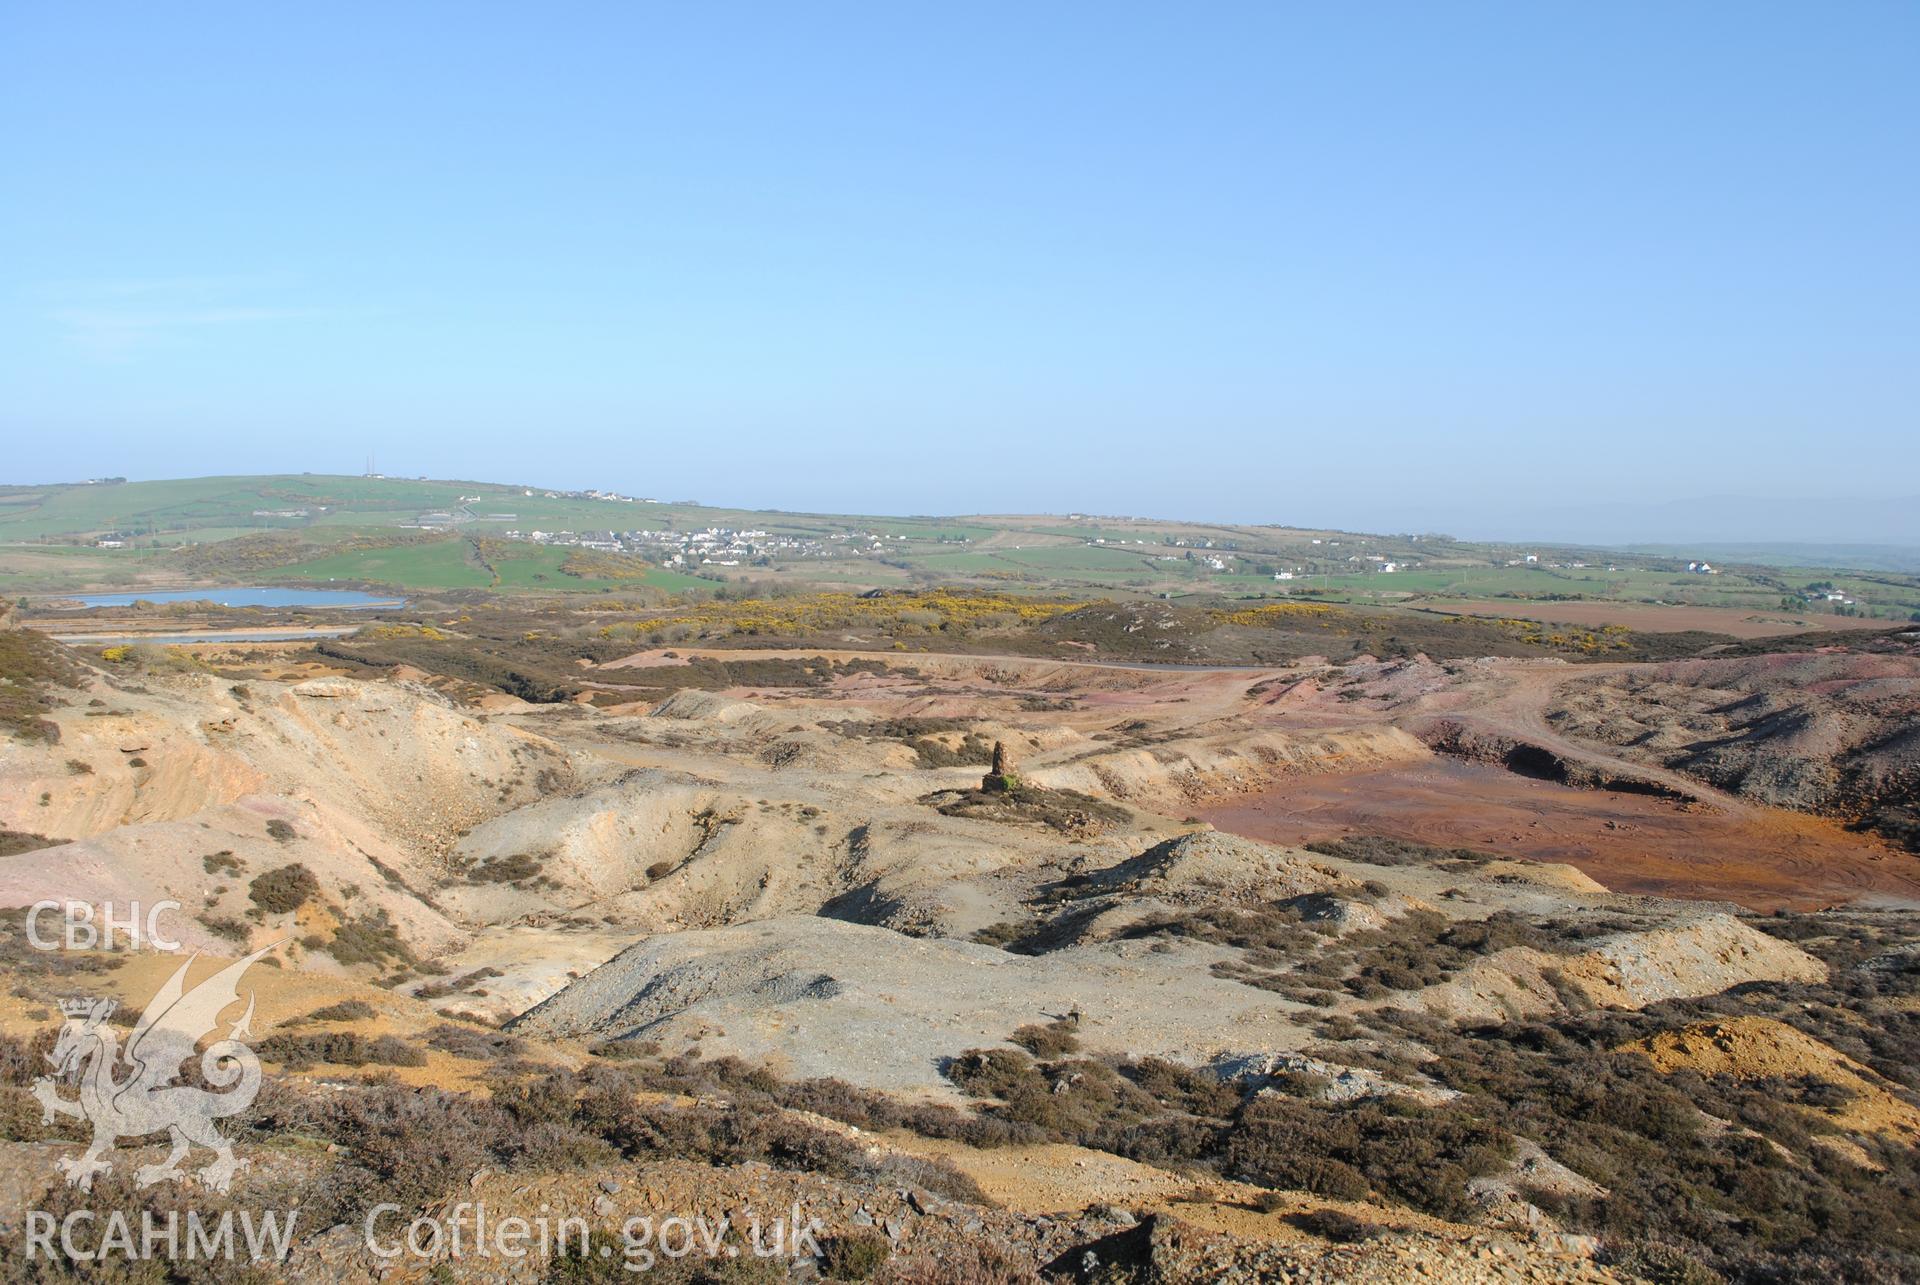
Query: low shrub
855	1255
370	939
236	931
1054	1039
222	862
510	869
1419	1156
284	890
1340	1228
1378	850
474	1045
339	1048
347	1010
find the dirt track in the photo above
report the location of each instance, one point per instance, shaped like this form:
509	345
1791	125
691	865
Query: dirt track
1650	617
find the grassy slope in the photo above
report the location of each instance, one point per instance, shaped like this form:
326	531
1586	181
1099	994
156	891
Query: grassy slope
1037	551
187	504
446	564
453	564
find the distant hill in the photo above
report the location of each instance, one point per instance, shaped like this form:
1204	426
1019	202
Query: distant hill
1864	557
424	534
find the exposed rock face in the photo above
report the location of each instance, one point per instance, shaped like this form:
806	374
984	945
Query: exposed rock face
185	788
1343	1083
1834	734
205	865
1505	749
1173	776
1701	957
1163	1249
1211	868
821	997
400	757
694	705
826	998
1753	1048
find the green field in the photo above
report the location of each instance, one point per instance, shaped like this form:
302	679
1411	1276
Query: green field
448	564
455	564
155	508
47	535
57	568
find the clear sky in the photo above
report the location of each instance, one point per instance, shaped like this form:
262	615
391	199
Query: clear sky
1455	266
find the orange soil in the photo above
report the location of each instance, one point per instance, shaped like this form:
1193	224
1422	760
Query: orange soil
1751	1048
1761	858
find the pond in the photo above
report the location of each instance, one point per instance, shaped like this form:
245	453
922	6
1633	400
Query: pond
253	597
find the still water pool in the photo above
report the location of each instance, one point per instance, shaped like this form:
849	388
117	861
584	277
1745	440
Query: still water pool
253	597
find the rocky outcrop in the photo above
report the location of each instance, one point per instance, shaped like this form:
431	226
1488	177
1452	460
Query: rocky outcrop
1702	956
820	997
1177	774
1837	734
1211	868
1531	758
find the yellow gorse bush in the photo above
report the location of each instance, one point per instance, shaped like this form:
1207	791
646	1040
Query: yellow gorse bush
1272	614
933	610
380	632
592	564
1589	641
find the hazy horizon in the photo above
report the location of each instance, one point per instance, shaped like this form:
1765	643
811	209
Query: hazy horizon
1725	520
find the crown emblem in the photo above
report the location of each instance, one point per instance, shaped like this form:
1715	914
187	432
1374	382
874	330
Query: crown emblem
83	1006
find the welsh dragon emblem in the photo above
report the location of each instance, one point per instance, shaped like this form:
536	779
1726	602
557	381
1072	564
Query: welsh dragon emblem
133	1092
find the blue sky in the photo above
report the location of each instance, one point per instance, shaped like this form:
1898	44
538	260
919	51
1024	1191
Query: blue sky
1389	266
